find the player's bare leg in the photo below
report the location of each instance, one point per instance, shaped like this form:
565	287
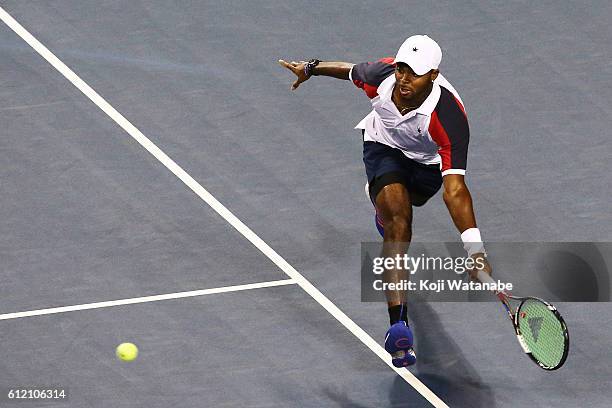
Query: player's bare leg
394	206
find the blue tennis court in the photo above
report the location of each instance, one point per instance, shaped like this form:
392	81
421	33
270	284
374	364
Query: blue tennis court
162	185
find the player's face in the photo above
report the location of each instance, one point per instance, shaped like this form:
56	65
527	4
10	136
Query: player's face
410	86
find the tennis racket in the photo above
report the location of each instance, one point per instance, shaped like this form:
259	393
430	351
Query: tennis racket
539	327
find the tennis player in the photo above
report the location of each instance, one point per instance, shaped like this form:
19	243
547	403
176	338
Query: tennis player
415	140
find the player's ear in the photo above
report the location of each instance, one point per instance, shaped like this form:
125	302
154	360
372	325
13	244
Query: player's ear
434	74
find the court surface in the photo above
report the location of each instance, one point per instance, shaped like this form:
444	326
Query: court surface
89	215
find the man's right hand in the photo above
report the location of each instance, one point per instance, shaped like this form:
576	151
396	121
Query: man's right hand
480	260
298	69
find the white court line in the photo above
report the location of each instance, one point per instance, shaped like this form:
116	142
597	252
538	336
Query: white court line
218	207
145	299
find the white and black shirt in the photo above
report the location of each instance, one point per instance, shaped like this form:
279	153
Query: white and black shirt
435	132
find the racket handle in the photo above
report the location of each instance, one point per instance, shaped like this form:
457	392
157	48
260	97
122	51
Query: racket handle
502	295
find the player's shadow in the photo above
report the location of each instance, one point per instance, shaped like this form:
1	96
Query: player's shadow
440	366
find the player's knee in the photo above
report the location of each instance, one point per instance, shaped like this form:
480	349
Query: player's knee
398	228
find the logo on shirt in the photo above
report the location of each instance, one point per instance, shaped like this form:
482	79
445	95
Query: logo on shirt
415	49
419	129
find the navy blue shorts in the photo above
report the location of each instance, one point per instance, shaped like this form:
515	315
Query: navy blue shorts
386	165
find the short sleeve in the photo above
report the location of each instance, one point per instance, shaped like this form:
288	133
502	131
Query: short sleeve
449	128
368	75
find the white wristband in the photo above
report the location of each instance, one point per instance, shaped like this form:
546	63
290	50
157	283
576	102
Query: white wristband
472	242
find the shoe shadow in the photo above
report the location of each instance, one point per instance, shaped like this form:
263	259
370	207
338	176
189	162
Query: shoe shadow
440	366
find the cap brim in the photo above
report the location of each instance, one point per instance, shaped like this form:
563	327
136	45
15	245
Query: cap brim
418	69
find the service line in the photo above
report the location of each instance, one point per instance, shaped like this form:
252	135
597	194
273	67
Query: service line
146	299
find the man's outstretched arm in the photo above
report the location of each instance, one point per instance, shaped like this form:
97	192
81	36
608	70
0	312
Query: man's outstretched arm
334	69
459	203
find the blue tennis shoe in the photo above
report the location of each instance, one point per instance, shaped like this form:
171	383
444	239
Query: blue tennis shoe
398	343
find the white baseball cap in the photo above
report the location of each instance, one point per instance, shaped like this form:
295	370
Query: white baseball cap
421	53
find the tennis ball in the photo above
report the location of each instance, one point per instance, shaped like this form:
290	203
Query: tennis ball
127	351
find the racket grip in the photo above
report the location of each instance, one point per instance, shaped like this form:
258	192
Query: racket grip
486	278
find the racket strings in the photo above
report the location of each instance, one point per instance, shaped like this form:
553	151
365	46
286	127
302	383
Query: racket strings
542	331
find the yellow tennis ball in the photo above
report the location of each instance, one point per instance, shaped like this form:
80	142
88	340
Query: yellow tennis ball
127	351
